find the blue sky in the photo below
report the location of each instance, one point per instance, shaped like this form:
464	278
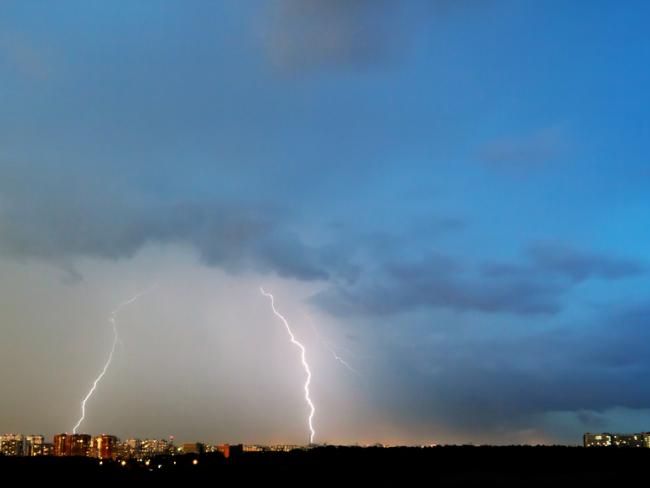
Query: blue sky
457	189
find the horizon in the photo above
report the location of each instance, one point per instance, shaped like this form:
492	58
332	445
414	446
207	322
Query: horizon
172	440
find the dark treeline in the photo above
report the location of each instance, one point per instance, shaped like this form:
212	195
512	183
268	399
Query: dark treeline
438	466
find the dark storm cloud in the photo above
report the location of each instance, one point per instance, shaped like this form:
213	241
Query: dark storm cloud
60	215
440	282
40	218
520	298
580	266
532	288
591	419
563	261
506	383
233	237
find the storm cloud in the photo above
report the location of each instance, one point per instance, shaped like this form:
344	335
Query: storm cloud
533	288
511	383
228	236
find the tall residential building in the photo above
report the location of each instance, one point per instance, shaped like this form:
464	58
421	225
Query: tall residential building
193	448
646	439
155	447
58	444
71	445
104	447
616	440
12	445
627	440
34	445
597	440
21	445
229	450
47	450
130	448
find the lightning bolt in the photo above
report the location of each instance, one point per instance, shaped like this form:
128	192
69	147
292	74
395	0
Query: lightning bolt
332	350
310	420
340	359
113	320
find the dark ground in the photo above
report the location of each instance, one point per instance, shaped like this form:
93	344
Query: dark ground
341	466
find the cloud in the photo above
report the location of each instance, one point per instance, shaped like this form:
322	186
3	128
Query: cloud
563	261
532	150
580	266
535	287
439	282
233	237
60	218
590	419
499	383
307	34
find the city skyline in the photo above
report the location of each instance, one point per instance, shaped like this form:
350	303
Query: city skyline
109	447
447	200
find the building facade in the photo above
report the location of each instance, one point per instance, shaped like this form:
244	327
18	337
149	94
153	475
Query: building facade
616	440
597	440
13	445
104	447
193	448
155	447
129	449
22	445
627	440
34	445
72	445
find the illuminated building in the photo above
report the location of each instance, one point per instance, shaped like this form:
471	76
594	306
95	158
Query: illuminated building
284	447
59	444
193	448
71	445
254	448
130	448
646	439
597	440
233	450
21	445
229	450
34	445
13	445
616	440
223	449
627	440
104	447
79	445
155	447
47	449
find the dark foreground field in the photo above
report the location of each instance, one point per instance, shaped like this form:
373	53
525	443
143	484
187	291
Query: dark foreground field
439	466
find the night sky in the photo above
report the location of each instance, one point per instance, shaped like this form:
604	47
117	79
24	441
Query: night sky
450	196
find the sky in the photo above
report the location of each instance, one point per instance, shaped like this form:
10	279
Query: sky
449	196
